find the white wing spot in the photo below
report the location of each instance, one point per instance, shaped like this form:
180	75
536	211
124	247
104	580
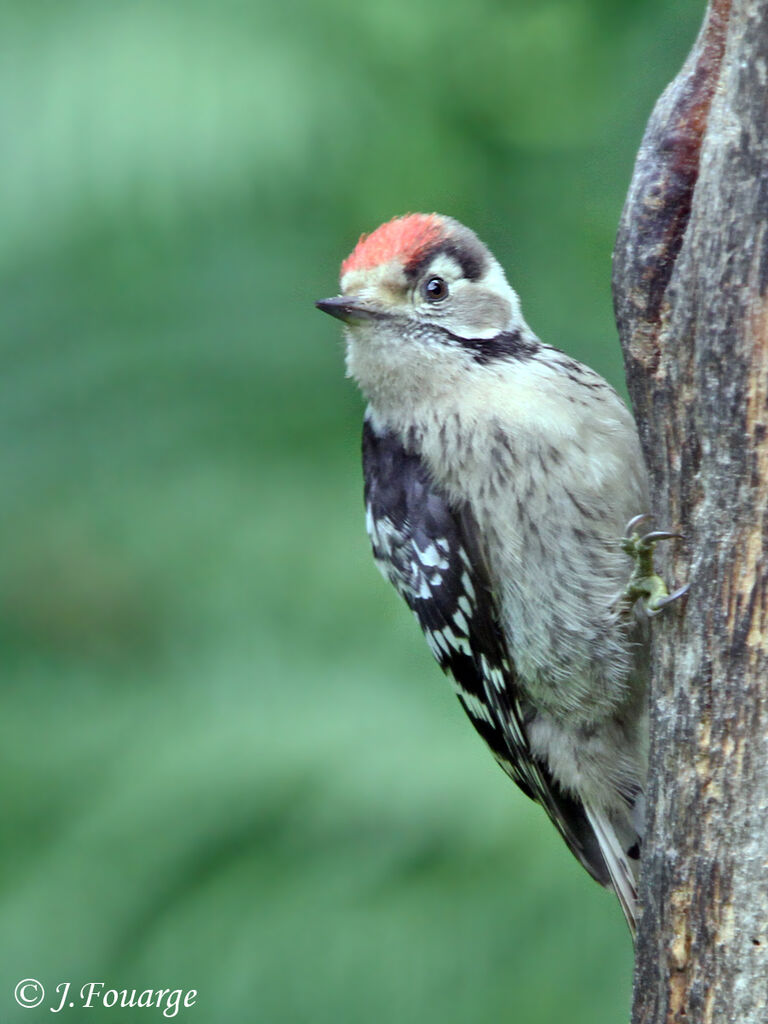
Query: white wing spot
434	646
475	707
463	645
441	641
429	556
492	674
461	621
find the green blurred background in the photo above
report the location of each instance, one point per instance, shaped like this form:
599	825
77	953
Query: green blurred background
228	762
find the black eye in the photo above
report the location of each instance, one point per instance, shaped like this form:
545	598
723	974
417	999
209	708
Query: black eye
435	289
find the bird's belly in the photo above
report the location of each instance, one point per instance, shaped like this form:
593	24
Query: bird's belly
565	626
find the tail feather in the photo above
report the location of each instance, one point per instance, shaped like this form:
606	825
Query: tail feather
619	866
606	844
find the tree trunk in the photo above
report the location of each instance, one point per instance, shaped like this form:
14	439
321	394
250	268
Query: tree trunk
690	276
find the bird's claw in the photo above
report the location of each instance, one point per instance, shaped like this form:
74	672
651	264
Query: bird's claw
629	529
655	535
644	584
662	602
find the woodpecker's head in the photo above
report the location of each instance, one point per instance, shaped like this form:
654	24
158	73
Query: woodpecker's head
423	300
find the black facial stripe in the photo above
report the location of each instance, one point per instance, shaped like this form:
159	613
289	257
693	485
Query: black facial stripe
506	345
473	264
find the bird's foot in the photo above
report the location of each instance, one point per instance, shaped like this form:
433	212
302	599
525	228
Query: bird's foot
644	585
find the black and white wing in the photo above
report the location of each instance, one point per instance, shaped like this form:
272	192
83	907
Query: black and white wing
431	553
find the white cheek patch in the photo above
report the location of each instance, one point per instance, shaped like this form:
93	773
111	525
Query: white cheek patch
495	280
478	313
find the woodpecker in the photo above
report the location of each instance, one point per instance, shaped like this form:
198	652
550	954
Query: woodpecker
504	488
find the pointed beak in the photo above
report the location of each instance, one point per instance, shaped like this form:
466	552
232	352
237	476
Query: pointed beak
346	309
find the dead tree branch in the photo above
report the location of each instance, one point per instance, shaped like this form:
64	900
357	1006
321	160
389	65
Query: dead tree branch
690	277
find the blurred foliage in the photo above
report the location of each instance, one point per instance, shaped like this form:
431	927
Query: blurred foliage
228	761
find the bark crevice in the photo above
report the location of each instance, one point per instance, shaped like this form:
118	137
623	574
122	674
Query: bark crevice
658	205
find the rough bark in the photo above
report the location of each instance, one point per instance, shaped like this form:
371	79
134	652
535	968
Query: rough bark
690	276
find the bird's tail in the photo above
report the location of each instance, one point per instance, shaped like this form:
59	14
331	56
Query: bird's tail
621	868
